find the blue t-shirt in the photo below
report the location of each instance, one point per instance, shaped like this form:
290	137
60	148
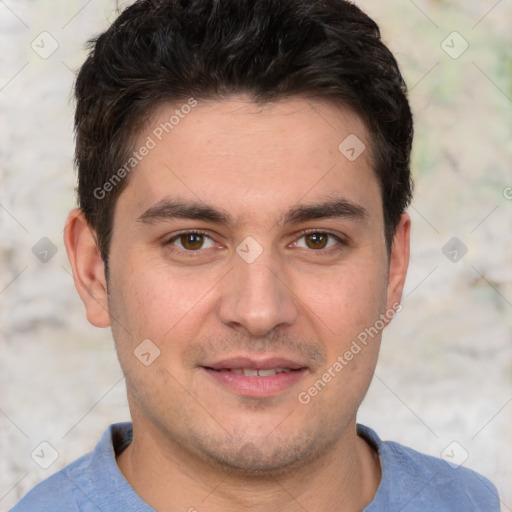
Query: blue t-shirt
411	482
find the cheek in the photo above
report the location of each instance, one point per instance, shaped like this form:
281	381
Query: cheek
347	301
346	312
150	300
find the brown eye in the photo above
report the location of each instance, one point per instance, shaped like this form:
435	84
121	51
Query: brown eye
316	240
191	241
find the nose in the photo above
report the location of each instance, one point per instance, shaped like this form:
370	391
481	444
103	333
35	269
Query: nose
257	297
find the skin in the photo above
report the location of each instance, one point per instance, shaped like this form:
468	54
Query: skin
196	443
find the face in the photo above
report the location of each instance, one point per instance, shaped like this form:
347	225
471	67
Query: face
250	251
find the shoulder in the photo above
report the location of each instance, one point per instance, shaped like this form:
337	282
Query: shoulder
56	493
85	483
415	481
452	487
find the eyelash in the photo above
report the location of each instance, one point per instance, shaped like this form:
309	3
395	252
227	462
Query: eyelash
342	243
186	232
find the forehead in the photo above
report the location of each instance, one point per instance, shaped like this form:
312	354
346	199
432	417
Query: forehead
253	159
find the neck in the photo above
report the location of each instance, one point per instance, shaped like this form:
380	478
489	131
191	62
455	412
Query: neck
167	477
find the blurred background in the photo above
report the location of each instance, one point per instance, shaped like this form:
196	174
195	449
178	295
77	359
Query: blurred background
444	381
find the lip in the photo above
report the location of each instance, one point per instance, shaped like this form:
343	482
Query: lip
257	387
261	363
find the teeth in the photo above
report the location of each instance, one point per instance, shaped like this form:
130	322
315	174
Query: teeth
267	373
251	372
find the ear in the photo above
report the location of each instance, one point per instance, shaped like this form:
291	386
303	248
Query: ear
88	268
398	261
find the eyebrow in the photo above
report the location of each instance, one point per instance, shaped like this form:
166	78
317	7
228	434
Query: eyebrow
168	209
336	208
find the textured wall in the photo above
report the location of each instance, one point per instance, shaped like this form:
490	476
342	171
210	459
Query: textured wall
445	369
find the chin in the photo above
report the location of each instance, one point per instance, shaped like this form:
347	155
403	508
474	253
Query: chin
264	457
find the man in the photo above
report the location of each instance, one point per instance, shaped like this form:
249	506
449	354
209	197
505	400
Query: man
243	181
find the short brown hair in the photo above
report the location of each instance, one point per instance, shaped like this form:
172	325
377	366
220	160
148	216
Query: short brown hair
173	50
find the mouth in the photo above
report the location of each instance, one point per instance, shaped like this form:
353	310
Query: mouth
256	377
259	372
